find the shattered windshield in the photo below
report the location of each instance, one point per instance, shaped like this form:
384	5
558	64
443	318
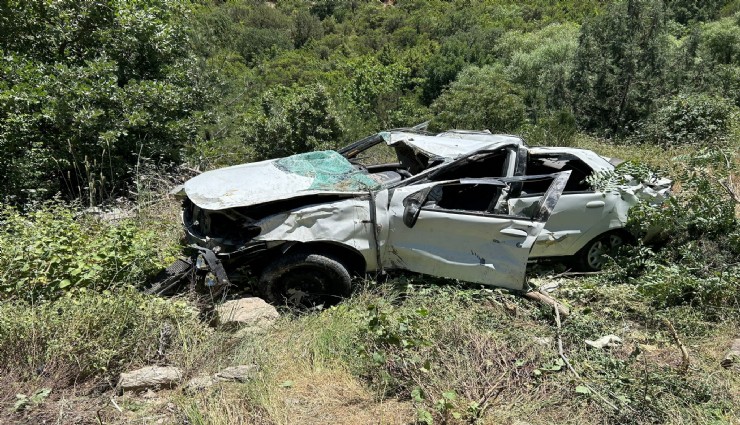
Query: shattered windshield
329	170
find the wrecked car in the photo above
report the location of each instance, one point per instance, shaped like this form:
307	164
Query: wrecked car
467	205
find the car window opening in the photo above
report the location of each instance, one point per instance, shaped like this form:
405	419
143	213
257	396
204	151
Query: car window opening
477	166
547	164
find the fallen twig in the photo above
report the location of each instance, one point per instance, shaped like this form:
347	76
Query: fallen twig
563	274
548	300
729	190
686	361
116	405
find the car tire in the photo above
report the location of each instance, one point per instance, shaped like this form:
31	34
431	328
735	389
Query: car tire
591	258
305	280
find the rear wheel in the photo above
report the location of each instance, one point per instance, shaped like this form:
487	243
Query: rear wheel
305	280
593	256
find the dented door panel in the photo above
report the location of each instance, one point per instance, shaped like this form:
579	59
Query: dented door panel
347	222
474	246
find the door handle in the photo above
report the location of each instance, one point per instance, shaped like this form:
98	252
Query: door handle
514	232
595	204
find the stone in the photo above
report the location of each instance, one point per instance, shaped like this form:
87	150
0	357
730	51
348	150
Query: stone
150	377
200	383
246	313
733	355
240	373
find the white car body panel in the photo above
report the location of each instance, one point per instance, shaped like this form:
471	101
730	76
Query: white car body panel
449	145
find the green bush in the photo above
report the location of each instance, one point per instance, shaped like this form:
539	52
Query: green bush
48	251
480	98
697	261
87	89
86	333
695	119
294	120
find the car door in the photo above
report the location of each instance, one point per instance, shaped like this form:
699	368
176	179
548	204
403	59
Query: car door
578	218
462	229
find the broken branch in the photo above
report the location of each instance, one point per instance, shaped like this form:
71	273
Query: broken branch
729	190
684	352
548	300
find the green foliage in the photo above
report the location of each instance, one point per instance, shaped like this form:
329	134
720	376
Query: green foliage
456	52
376	90
541	63
687	11
87	89
85	333
294	120
697	119
253	30
480	98
698	261
23	401
49	251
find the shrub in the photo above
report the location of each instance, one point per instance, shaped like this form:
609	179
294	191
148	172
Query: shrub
48	251
441	348
480	98
87	89
294	120
697	261
690	119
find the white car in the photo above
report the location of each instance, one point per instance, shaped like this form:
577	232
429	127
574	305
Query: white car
466	205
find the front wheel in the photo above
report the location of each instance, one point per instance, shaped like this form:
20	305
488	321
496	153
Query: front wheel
592	257
305	280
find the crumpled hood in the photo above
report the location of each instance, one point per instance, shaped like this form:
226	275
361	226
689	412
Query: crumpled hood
312	173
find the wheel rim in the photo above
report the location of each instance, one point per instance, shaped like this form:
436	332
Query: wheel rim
596	256
307	286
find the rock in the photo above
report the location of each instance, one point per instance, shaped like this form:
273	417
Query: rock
241	373
200	383
252	313
732	356
605	341
153	377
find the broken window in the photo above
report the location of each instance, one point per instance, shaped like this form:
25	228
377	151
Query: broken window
379	154
489	164
548	163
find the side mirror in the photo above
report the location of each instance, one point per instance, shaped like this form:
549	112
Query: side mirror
411	211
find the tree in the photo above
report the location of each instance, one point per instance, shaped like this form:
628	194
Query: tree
480	98
88	89
619	66
293	120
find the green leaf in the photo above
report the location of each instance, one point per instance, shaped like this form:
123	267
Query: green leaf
287	384
417	395
583	390
424	416
64	283
40	395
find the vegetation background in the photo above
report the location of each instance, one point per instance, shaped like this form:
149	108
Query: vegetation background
105	104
